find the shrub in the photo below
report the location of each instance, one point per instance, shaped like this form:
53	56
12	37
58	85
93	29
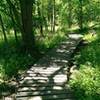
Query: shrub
86	83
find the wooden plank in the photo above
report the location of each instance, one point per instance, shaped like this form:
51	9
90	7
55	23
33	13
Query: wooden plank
42	93
46	97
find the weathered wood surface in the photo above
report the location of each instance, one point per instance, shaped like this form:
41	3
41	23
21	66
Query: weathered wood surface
47	79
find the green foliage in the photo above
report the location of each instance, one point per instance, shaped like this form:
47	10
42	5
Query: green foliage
12	60
6	89
50	41
90	54
86	81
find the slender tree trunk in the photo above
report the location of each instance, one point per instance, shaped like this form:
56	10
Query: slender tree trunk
53	19
41	23
3	30
46	22
69	13
16	14
52	15
14	26
81	14
27	34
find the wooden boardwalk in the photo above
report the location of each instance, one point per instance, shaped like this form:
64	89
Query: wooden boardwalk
47	79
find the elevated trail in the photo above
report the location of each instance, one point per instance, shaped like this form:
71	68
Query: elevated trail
47	79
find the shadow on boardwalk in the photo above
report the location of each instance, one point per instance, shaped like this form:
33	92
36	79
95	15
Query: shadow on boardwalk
47	79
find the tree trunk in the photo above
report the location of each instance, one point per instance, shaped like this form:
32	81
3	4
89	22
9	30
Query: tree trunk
53	19
16	15
81	14
40	19
26	14
3	30
14	26
69	13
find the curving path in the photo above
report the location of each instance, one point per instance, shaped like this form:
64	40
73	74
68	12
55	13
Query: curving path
47	79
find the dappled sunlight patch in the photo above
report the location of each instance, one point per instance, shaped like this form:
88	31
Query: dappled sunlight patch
57	88
75	36
90	37
75	75
61	78
2	73
74	27
91	24
36	98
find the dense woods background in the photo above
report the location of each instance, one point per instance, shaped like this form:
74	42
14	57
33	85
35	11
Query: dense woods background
29	19
28	28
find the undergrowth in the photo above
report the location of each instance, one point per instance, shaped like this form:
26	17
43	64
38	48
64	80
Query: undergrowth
14	61
86	81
